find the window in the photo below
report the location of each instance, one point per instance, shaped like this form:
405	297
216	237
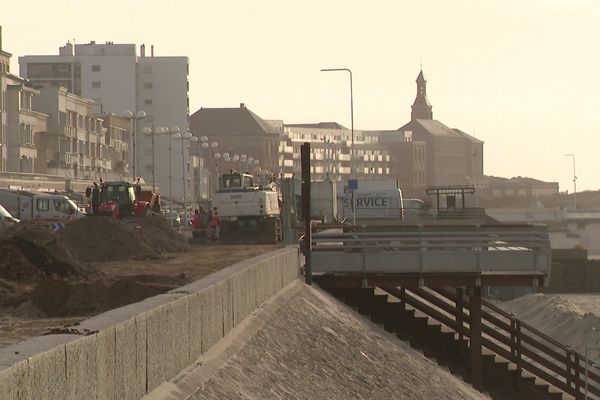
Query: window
148	102
96	85
148	85
42	204
95	68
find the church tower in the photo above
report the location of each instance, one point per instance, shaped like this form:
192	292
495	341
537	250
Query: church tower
421	109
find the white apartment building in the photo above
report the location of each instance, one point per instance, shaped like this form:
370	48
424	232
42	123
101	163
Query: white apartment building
331	149
116	79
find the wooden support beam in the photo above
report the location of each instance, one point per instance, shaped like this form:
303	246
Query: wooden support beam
475	333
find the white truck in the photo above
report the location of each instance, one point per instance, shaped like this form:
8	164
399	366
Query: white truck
249	212
25	205
6	220
368	204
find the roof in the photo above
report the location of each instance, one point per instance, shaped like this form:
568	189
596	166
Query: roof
220	121
436	128
421	77
517	179
321	125
466	135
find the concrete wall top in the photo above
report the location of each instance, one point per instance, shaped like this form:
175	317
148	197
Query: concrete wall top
16	353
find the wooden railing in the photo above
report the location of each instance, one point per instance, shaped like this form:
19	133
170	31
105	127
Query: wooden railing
507	336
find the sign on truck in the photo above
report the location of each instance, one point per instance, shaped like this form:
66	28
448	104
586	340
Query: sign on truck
385	203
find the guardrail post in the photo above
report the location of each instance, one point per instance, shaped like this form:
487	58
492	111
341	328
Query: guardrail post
475	344
576	375
515	345
305	163
460	329
568	366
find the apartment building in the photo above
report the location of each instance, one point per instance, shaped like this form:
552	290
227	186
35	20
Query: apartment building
19	122
116	133
74	143
4	71
116	79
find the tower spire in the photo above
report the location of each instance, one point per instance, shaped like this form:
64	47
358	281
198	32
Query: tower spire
421	109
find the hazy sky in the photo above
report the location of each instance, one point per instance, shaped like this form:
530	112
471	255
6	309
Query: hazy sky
524	76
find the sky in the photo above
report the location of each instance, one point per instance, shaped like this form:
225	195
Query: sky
523	76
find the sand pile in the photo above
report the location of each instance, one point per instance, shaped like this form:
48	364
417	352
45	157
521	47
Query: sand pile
558	317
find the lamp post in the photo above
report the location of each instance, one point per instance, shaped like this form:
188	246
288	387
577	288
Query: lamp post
352	165
152	132
139	115
574	181
170	132
210	147
187	135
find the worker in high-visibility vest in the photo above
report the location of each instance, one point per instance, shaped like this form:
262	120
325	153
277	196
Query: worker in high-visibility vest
214	225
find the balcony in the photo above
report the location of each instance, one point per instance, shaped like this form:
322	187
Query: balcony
68	158
67	131
86	161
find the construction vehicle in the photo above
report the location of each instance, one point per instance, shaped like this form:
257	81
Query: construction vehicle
118	199
248	208
25	205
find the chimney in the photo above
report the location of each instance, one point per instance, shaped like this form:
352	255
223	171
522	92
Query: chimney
152	51
143	50
242	105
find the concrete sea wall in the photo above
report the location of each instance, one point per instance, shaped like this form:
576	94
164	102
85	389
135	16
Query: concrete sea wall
127	352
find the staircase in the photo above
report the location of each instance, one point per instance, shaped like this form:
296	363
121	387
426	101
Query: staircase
518	362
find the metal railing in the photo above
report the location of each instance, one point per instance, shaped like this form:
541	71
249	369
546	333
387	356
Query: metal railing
430	248
510	338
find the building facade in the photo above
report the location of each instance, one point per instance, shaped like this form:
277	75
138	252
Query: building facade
116	79
452	156
74	143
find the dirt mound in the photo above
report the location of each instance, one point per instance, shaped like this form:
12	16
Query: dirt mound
54	298
160	234
55	271
105	239
31	251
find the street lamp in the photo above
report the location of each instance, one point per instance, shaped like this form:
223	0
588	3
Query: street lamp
574	181
187	135
170	132
352	166
139	115
210	147
152	132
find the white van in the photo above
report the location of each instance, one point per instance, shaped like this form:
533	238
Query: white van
6	220
384	203
39	205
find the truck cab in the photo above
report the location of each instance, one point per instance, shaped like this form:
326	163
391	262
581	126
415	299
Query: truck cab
119	199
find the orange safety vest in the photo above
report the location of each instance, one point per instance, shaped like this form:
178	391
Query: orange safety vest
214	221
